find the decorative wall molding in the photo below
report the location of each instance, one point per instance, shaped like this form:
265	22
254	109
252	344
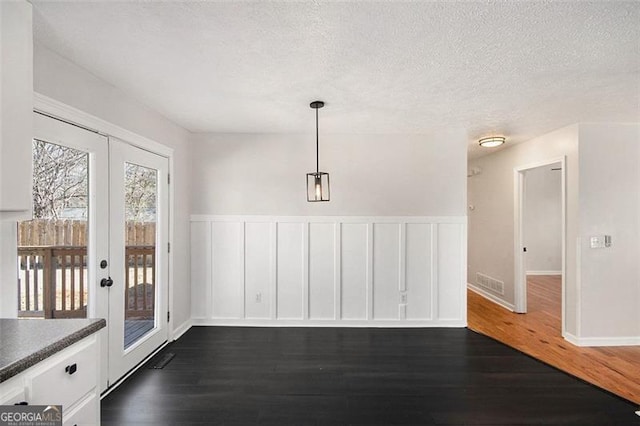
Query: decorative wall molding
493	298
328	271
326	323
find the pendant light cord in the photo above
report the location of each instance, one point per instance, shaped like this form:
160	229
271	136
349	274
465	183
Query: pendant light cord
317	146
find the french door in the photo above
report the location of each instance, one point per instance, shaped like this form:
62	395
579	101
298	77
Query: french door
138	246
97	245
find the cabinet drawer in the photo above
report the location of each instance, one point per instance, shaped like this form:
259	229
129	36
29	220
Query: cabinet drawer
12	396
85	414
67	378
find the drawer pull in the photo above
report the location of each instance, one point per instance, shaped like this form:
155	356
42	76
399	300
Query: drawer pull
71	368
21	403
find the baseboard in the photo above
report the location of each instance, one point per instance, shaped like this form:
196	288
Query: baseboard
495	299
122	379
181	329
602	341
544	272
329	323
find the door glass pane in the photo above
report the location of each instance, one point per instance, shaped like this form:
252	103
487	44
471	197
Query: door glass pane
52	247
141	184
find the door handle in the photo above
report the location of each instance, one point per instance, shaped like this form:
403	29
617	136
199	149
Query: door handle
106	282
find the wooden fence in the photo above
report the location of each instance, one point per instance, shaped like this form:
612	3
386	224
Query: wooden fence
67	232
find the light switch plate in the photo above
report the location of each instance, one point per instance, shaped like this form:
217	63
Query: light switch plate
600	241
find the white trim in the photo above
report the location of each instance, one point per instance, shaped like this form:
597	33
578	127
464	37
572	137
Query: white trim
337	271
181	329
602	341
435	312
520	279
578	289
328	219
370	271
463	265
225	322
57	109
544	272
495	299
540	163
170	240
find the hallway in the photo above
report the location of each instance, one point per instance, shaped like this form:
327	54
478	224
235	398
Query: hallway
538	333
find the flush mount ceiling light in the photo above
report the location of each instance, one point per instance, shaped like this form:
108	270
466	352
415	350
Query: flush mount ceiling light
492	142
317	182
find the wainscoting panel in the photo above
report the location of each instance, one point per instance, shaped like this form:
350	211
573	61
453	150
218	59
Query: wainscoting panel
354	265
419	271
386	271
322	270
451	260
228	269
258	270
291	267
329	271
201	269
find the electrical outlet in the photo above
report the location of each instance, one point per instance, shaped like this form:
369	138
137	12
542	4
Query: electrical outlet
258	297
403	298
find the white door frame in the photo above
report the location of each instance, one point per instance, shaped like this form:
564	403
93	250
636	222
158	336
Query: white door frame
96	146
121	359
520	270
65	112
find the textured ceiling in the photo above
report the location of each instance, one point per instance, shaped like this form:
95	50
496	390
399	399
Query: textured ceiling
514	68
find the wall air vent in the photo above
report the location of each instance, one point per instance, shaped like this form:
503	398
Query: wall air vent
489	283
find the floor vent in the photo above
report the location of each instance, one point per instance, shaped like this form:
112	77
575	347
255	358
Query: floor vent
489	283
161	361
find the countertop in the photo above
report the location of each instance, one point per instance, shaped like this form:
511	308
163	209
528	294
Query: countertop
25	342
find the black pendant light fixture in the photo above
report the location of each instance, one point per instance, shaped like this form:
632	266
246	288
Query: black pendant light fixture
317	182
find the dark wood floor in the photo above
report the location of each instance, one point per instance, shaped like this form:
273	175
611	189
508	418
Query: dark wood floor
340	376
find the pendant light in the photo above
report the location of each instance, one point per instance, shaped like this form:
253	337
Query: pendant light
317	182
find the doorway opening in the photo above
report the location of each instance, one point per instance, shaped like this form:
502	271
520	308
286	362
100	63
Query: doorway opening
540	243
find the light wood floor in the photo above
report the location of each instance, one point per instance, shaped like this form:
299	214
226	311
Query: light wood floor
538	333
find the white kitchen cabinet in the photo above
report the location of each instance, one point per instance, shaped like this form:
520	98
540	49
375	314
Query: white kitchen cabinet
68	378
16	112
12	391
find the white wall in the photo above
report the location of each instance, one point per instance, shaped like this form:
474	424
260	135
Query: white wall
491	222
395	228
603	187
379	175
542	220
609	204
338	271
62	80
